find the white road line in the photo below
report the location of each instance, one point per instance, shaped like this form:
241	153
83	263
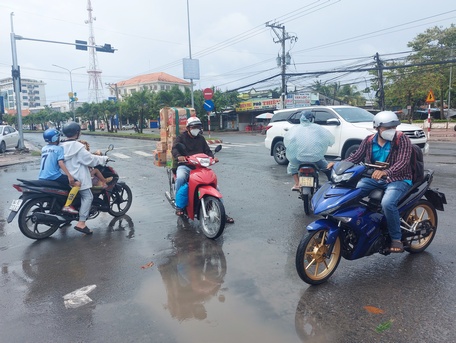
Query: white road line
119	155
143	153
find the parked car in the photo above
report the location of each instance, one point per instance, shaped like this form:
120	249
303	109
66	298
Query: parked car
128	127
9	138
349	125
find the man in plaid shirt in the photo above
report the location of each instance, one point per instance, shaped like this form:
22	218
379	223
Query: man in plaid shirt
394	148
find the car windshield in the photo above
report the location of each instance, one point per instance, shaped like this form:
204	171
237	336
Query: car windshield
354	114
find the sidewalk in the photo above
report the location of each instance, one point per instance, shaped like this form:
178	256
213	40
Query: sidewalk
29	154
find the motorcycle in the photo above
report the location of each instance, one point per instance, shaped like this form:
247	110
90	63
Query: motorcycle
204	200
354	226
309	183
41	202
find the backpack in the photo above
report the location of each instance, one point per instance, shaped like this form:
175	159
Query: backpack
416	160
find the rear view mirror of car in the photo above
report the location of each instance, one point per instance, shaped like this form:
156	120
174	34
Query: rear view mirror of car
333	121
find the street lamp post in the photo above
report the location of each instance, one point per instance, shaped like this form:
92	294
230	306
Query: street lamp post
71	85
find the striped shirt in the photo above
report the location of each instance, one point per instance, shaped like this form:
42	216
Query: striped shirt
399	157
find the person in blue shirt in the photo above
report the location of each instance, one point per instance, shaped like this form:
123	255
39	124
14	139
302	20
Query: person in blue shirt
52	165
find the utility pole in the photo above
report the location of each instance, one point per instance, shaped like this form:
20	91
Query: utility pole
284	59
381	92
16	75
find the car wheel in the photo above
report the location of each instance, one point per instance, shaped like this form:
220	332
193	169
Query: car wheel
351	150
279	153
2	147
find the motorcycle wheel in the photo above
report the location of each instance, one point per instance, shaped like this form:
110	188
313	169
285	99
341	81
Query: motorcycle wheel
28	226
306	201
120	200
214	224
424	216
312	263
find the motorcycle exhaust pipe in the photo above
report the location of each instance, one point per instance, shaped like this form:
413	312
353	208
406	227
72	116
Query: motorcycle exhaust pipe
170	199
46	218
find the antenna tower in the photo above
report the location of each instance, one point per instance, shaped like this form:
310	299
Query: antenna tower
95	83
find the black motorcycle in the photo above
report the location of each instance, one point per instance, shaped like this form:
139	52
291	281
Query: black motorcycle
40	205
309	183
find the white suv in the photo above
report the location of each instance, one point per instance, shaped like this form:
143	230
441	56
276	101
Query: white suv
349	125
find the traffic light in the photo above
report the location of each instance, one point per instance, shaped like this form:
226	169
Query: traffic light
105	48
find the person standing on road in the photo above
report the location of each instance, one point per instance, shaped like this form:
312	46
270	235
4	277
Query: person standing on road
78	160
395	179
306	142
194	143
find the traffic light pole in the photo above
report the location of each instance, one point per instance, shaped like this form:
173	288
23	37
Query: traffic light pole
16	74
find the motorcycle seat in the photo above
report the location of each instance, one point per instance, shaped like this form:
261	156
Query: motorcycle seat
44	183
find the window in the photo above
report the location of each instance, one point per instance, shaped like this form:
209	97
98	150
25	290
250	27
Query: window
321	117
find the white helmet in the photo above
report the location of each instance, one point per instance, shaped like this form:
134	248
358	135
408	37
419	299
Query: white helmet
386	119
193	121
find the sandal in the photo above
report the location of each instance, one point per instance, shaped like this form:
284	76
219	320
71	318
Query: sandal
229	220
296	188
179	212
85	230
396	247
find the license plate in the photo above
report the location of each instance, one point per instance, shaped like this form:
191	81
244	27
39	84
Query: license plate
306	181
16	205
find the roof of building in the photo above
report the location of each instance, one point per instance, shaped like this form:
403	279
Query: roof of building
152	78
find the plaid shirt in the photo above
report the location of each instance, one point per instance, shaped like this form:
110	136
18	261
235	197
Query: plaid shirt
399	157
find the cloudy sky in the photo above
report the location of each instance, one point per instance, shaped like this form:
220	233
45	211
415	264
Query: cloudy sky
230	39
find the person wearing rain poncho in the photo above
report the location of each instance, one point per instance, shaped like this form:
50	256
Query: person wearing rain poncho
306	142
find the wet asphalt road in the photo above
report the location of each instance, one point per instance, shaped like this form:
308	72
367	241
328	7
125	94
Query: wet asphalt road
158	280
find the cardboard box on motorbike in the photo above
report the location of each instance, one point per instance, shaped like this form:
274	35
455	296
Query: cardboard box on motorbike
172	122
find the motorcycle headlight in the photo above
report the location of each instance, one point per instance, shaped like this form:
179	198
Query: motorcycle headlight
204	161
340	178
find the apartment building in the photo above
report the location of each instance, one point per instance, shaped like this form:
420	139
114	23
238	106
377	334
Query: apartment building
32	94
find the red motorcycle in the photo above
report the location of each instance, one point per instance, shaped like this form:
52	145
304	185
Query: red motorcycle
204	200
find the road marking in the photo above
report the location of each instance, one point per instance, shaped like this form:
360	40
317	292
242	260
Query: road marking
119	155
143	153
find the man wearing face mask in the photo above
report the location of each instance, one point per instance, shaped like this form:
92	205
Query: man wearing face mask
194	143
396	179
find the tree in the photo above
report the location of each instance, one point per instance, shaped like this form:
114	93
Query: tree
405	86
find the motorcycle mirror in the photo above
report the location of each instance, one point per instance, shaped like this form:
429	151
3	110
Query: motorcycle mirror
111	147
218	148
181	148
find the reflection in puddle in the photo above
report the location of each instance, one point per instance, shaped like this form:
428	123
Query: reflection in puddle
192	274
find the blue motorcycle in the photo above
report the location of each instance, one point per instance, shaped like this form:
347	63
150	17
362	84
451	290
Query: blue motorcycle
354	226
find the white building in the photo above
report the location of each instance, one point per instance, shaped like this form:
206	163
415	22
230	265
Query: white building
154	82
32	94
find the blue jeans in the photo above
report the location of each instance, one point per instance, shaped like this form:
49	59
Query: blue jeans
182	174
393	192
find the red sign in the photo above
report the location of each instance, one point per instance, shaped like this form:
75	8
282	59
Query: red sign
208	93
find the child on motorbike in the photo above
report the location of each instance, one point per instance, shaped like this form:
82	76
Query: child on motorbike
78	160
195	143
307	142
98	179
52	165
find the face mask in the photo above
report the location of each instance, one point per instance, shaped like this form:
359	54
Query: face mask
195	132
388	135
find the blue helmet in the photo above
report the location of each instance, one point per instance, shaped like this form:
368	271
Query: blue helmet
307	116
51	135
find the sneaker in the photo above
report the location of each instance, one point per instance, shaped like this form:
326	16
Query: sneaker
70	209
